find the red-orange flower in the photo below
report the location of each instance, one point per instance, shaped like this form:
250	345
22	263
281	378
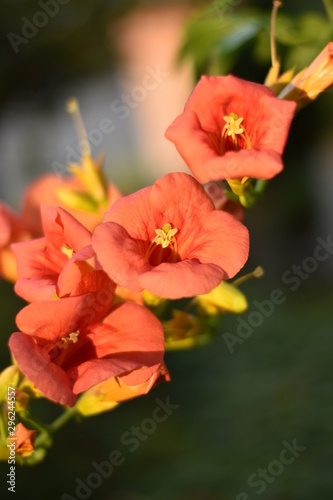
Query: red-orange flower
63	354
168	239
12	229
61	262
218	196
311	81
107	394
232	128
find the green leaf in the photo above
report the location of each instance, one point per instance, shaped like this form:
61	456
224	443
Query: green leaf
237	39
328	4
305	28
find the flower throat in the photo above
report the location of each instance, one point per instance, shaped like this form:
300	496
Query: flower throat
232	132
163	248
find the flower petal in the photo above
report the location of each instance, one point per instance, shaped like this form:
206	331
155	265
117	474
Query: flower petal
52	319
182	279
179	199
195	145
5	225
244	163
78	277
120	347
159	375
224	241
36	365
134	213
61	227
197	132
37	273
121	388
119	255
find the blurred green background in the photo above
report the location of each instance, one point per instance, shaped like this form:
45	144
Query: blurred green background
235	410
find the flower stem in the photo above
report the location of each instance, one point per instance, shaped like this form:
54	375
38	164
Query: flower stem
257	273
48	429
36	424
276	5
260	186
62	419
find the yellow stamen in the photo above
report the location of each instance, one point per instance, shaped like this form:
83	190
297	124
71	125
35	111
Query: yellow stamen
233	125
65	341
164	237
67	250
58	351
234	128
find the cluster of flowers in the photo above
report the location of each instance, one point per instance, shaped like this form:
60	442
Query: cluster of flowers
95	265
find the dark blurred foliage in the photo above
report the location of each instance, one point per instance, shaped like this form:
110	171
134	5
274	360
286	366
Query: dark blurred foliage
74	43
235	410
234	35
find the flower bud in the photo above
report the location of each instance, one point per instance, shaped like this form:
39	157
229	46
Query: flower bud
311	81
224	298
24	445
10	377
185	331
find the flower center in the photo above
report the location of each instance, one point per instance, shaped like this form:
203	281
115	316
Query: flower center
57	352
65	341
67	250
232	132
163	248
165	236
